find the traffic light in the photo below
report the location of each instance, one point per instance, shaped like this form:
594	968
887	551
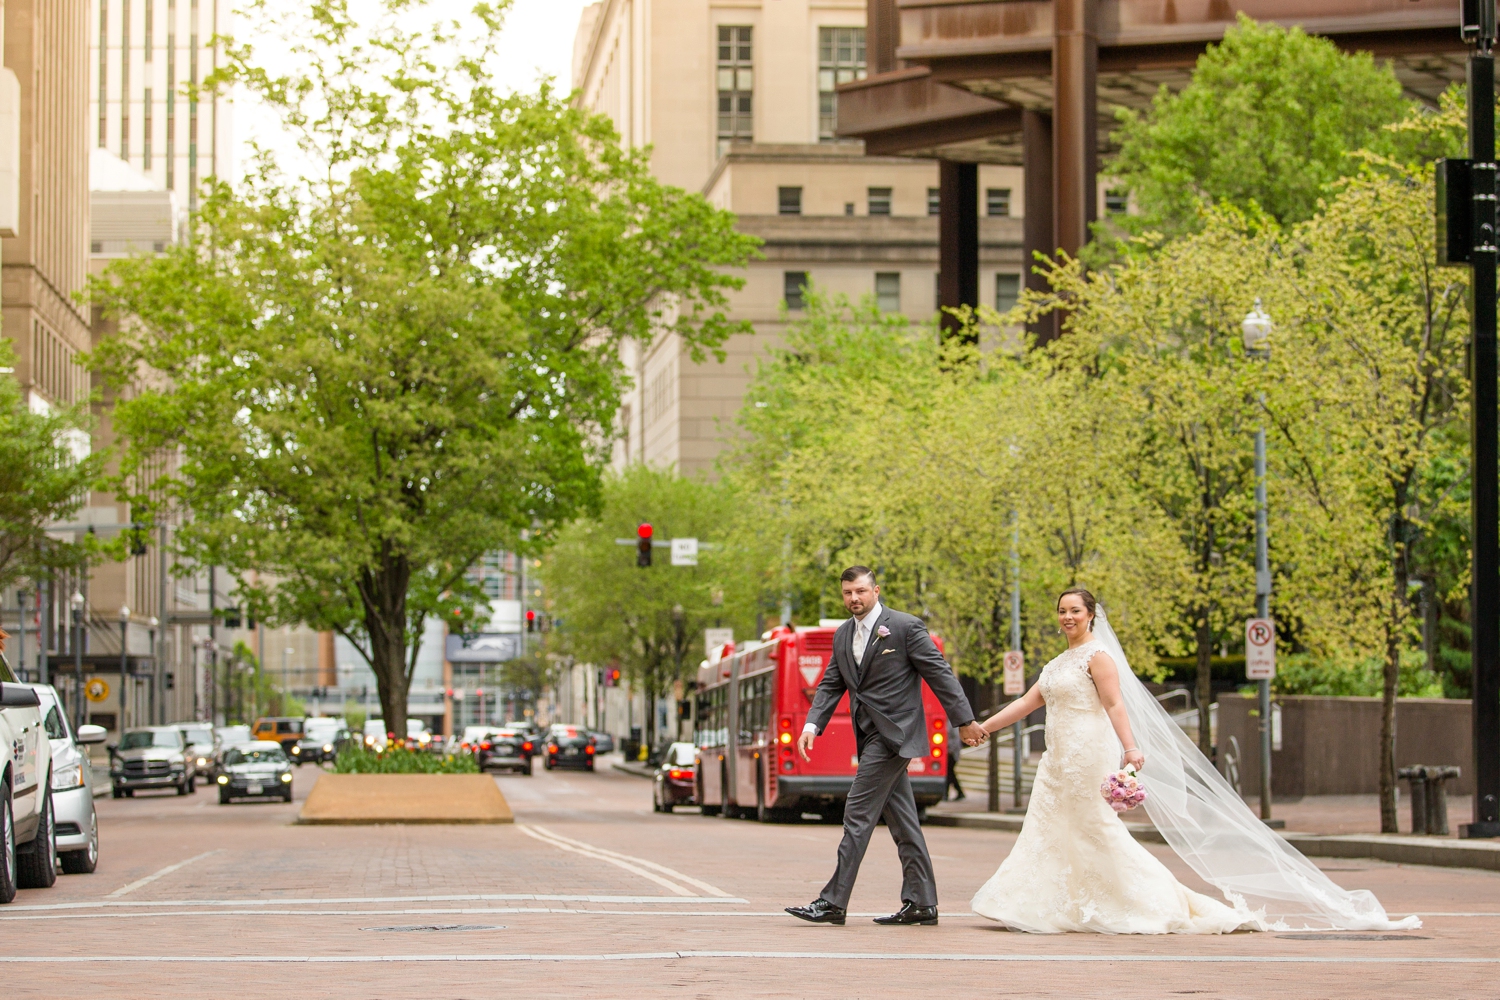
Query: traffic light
231	617
530	621
612	677
643	546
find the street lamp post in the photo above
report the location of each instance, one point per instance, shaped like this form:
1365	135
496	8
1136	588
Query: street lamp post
124	660
1256	329
151	625
21	596
79	713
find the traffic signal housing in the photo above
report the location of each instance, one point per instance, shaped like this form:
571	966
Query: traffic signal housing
530	620
643	546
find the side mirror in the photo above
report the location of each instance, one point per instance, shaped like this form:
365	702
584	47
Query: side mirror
18	696
93	734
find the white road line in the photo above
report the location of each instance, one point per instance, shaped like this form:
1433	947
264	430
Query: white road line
834	956
591	853
498	897
132	887
669	872
510	910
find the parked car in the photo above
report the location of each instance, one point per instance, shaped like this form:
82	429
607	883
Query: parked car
255	770
570	747
603	742
505	749
77	828
374	734
322	739
151	757
286	730
675	778
202	745
27	831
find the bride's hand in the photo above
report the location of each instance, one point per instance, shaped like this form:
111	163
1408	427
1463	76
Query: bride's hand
1136	758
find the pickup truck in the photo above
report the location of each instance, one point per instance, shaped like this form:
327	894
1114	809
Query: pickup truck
28	833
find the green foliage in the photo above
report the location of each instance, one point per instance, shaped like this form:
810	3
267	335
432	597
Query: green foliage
379	371
249	693
1302	673
41	480
355	715
649	621
1269	120
356	758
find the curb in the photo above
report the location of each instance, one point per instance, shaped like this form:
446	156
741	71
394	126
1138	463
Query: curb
635	769
1405	850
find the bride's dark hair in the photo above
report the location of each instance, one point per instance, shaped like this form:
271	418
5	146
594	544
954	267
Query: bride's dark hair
1088	601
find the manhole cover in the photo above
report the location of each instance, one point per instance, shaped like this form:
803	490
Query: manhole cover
403	928
1353	937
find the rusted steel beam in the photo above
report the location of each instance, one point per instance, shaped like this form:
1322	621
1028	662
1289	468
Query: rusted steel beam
882	34
1037	232
1075	121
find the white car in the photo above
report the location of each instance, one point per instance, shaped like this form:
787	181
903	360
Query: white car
72	784
28	834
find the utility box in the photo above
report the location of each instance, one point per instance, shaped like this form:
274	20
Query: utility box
1454	208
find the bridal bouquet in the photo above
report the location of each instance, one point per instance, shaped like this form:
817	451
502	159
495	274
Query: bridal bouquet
1123	790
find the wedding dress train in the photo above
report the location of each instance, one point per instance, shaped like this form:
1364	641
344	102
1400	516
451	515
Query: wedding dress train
1075	867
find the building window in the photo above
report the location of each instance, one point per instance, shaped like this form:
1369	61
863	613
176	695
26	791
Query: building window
735	83
171	95
125	80
1007	292
934	201
146	130
997	201
880	201
1116	201
888	291
103	73
193	106
794	289
149	28
848	208
788	201
841	59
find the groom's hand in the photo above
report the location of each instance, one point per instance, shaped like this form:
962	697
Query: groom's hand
973	734
805	744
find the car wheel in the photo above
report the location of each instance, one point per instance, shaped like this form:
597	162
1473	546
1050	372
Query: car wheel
36	864
288	795
118	793
84	861
130	793
193	785
7	846
223	796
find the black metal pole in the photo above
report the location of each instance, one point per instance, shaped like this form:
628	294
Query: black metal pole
1484	614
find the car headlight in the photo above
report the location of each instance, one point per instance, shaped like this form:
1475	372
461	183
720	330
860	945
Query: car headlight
67	777
223	779
328	748
202	762
286	775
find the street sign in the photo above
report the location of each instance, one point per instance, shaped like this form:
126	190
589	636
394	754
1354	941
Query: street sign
684	552
715	638
1015	672
1260	649
97	689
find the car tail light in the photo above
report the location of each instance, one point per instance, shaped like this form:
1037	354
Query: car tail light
526	746
484	746
552	748
678	774
589	748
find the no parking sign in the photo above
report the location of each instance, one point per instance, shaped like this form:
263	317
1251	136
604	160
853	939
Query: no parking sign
1015	672
1260	649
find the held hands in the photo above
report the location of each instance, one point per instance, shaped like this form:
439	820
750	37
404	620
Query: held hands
973	734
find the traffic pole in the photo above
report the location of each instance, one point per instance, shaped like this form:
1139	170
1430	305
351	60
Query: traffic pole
1484	615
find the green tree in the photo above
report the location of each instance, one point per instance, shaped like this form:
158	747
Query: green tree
378	371
42	479
648	620
1269	118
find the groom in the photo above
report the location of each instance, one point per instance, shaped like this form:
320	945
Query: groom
880	657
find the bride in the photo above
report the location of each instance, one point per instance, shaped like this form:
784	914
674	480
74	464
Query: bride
1075	867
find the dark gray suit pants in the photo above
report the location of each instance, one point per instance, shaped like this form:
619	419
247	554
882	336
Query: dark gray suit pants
881	787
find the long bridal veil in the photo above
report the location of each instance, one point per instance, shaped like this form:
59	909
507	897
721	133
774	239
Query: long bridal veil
1207	823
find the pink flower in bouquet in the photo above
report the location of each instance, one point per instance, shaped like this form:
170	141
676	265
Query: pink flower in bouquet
1123	790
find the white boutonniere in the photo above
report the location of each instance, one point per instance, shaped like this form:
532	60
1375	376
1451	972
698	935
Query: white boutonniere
882	631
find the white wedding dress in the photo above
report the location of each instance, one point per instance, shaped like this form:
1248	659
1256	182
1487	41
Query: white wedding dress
1075	867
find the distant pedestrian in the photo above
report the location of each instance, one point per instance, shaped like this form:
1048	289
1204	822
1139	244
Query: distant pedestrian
953	776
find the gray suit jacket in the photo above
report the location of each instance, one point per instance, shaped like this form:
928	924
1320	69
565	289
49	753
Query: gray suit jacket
888	683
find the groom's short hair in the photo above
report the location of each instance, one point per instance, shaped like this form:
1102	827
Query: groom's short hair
855	572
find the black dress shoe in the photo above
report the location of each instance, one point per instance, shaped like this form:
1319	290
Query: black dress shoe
911	913
819	911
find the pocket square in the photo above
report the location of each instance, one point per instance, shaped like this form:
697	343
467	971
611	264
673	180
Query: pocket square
884	651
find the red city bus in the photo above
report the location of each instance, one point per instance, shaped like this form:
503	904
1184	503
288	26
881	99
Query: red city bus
751	708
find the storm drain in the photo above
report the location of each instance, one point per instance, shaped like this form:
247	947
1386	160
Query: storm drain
1353	937
404	928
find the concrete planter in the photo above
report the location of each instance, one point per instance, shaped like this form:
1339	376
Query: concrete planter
405	798
1331	746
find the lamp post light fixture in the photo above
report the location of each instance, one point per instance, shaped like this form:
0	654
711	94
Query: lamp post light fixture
124	661
1256	329
152	624
80	711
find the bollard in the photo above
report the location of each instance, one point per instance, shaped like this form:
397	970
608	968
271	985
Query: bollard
1437	799
1418	778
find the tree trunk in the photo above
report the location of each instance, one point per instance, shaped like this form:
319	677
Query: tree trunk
384	597
1388	732
1205	694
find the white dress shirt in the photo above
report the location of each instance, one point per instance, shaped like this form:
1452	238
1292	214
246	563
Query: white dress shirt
862	629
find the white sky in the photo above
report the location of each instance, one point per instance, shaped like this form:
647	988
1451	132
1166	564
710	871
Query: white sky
537	42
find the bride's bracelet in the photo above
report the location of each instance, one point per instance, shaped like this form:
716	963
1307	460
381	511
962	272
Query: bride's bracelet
1131	750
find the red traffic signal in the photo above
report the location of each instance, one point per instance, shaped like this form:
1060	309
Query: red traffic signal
644	531
530	621
643	546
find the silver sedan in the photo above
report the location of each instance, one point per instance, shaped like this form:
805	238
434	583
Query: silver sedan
72	784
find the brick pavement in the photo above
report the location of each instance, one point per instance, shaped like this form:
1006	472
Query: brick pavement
273	892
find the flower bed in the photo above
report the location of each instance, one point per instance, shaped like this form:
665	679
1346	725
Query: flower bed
398	759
